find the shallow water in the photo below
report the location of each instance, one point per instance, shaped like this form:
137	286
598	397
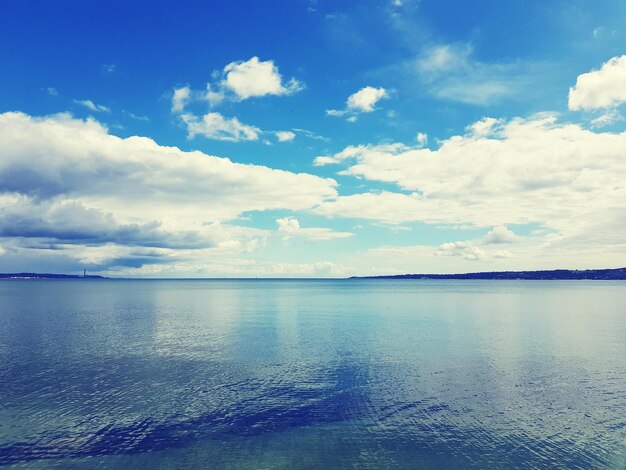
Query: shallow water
312	374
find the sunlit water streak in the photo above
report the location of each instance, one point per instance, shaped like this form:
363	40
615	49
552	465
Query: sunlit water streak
313	374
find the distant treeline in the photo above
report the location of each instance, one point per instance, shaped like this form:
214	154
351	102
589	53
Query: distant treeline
557	274
46	276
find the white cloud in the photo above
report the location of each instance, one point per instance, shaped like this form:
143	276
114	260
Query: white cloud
182	96
310	135
290	226
353	152
605	119
67	185
501	234
285	136
385	206
212	125
422	139
254	78
137	117
365	99
560	176
449	72
484	127
217	127
534	254
241	80
443	58
52	91
604	88
93	106
180	99
362	101
540	251
212	96
335	112
464	249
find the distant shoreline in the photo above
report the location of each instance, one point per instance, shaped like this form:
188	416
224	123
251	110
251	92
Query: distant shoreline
48	276
544	275
618	274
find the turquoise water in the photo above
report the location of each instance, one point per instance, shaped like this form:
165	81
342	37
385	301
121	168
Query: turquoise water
312	374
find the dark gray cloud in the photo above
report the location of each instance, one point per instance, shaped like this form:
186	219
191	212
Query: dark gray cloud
70	222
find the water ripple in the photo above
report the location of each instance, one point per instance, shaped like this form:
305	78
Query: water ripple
302	378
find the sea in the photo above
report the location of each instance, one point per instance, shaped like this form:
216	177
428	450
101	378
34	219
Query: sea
312	374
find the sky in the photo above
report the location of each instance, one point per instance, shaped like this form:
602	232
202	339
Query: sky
311	138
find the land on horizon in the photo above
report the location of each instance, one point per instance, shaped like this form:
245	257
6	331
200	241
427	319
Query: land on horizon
49	276
555	274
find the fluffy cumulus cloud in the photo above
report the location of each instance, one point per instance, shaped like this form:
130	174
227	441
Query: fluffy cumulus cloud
422	138
69	190
239	81
501	234
484	127
362	101
560	176
217	127
598	89
290	227
254	78
365	99
180	98
285	136
183	96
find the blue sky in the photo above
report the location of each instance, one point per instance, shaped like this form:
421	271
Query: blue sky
311	138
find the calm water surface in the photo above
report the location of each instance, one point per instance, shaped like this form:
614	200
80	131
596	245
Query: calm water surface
313	374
